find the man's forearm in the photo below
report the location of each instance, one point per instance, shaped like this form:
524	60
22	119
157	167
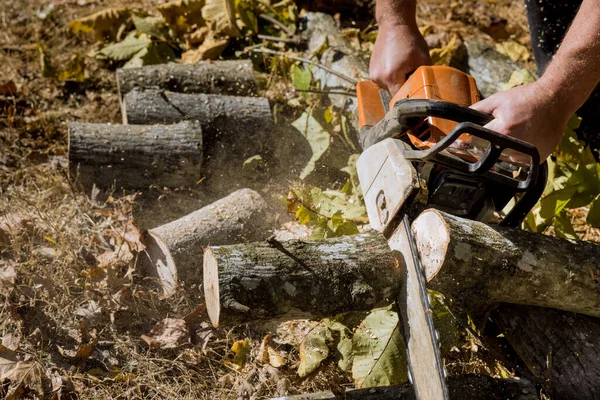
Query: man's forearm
575	70
400	12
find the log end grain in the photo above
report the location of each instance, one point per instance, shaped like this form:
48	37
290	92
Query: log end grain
211	286
156	262
432	238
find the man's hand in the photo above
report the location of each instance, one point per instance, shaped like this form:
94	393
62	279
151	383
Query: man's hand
530	113
399	50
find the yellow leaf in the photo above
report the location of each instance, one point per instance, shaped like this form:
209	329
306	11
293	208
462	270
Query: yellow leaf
518	78
74	71
221	15
240	348
516	51
443	55
181	15
105	24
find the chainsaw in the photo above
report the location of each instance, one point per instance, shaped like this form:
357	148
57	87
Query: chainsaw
426	145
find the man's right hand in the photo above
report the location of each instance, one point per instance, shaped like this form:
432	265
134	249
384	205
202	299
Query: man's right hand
399	50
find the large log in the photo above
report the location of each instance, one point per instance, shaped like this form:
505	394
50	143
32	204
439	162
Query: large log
340	274
562	349
174	250
471	387
480	265
231	77
135	156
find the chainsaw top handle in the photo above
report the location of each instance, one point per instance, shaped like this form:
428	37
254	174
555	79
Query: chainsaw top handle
407	113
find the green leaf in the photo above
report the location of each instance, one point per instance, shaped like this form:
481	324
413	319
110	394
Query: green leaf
151	26
343	339
593	217
555	202
246	15
155	53
302	78
563	227
321	230
126	49
379	357
318	139
313	350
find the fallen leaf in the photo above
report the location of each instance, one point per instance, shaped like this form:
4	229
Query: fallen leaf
241	349
313	350
518	78
81	352
23	376
317	136
74	71
275	359
209	50
221	15
8	276
515	50
11	340
105	24
169	333
8	88
198	313
267	354
181	15
125	49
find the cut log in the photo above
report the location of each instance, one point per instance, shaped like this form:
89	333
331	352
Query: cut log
560	348
231	77
174	250
471	387
340	274
480	265
135	156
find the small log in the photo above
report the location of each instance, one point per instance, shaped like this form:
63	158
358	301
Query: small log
340	274
471	387
480	265
135	156
174	250
231	77
562	349
235	128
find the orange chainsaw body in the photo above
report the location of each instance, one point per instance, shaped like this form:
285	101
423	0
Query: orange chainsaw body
427	82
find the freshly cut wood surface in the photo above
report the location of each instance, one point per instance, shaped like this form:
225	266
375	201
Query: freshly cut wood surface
137	156
174	250
230	77
480	265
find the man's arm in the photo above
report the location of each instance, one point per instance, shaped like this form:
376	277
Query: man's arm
538	112
400	48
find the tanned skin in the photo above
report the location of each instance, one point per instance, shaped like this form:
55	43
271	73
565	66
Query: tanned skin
538	112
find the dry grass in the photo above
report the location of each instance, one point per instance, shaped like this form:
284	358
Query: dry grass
65	294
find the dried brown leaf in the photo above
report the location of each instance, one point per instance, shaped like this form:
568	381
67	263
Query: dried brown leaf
23	376
105	24
82	351
13	224
168	334
209	50
8	275
221	15
11	340
182	15
8	88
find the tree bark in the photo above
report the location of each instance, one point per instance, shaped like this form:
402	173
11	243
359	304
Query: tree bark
235	128
231	77
561	348
174	250
135	156
471	387
340	274
480	265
